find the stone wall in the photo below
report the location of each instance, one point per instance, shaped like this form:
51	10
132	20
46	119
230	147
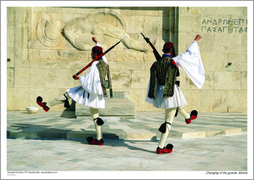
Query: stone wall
47	45
224	32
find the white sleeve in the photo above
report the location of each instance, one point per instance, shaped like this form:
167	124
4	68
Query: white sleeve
91	81
192	64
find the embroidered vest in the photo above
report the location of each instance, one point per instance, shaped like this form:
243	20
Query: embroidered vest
163	72
104	71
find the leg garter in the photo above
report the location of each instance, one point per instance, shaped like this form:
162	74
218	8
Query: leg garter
163	127
99	121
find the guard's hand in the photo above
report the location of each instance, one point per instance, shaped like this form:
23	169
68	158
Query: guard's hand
198	37
95	40
76	77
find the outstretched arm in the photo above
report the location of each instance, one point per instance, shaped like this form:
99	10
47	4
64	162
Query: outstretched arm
197	38
191	63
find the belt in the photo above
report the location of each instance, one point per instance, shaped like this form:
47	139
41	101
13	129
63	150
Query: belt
162	82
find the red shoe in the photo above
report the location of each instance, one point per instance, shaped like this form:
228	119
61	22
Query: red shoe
42	104
167	149
193	115
93	141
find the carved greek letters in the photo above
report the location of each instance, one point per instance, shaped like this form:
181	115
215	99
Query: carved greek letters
224	25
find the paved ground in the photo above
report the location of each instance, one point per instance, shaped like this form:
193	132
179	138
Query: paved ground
54	143
195	157
64	125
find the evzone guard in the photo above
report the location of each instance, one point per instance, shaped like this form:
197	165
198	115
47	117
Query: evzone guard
163	90
91	92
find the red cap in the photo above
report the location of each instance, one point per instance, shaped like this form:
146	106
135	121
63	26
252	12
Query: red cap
97	49
168	45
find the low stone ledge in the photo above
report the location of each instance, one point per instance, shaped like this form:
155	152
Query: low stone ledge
115	107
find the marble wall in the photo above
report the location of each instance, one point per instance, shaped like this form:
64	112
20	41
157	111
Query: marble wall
224	32
47	45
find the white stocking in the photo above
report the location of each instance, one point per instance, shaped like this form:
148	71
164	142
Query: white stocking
169	116
58	100
95	114
183	113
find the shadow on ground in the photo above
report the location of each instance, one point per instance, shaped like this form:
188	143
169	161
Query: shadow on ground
46	132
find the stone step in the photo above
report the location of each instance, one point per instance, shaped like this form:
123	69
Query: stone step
115	107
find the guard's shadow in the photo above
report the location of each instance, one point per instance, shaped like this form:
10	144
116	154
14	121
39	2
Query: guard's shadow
69	112
126	143
113	140
46	132
30	131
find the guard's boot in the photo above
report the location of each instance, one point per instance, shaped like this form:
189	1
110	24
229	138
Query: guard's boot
193	115
93	141
42	104
167	149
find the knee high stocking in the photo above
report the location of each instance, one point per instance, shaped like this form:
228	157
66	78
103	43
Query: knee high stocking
169	116
95	114
58	100
183	113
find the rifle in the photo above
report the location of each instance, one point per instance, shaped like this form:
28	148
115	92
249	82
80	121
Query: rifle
155	52
96	59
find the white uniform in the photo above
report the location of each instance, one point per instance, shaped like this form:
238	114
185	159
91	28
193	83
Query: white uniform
90	92
192	64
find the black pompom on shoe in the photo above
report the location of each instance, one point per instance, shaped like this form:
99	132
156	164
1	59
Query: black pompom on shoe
169	146
167	149
194	113
93	141
42	104
89	139
39	98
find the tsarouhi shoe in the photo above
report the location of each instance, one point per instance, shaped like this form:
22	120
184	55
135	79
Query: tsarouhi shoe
167	149
93	141
193	115
42	104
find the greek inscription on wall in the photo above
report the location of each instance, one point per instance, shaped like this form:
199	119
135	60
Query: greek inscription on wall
224	25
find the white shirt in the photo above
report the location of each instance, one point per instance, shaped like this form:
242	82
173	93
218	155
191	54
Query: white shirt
91	81
192	64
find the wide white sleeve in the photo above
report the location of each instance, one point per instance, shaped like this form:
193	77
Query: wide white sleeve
192	64
91	81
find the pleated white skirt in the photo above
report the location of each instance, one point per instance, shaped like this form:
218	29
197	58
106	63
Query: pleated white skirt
81	96
90	92
177	100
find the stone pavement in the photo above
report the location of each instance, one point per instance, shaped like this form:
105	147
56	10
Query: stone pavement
214	157
64	125
53	145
